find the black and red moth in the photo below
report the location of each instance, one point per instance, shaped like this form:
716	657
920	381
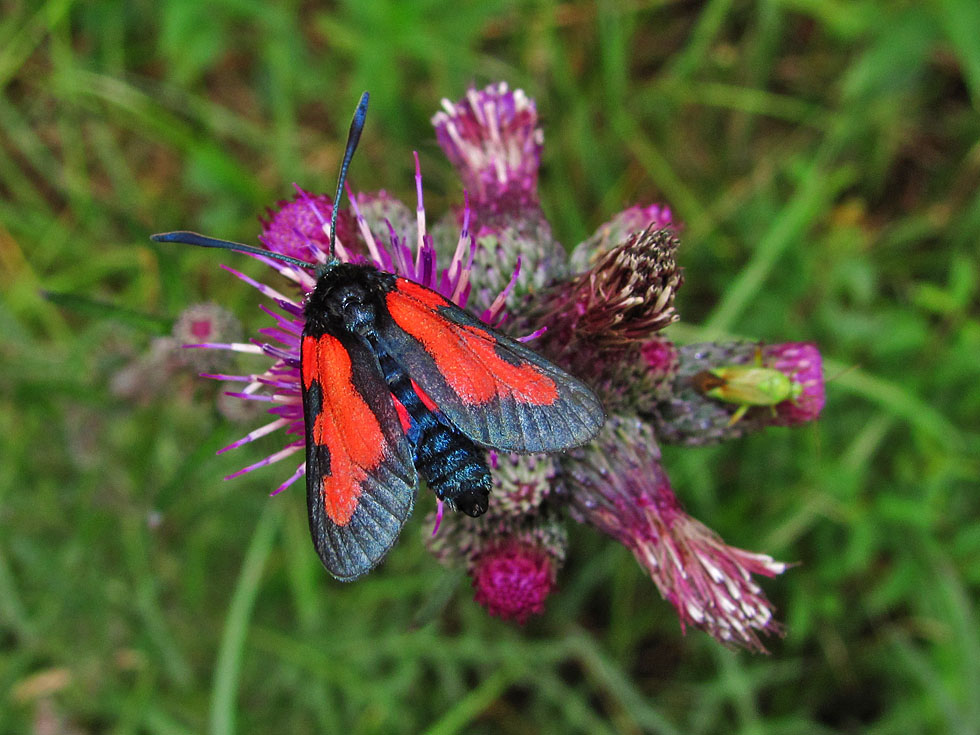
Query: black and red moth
399	383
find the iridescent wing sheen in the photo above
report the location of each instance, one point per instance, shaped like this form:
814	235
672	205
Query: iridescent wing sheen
495	390
360	479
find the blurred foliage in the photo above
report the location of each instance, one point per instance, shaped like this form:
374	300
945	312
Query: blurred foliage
825	157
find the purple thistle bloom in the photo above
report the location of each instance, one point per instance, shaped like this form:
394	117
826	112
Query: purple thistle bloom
513	579
511	554
802	363
686	416
295	223
206	323
621	488
598	314
492	138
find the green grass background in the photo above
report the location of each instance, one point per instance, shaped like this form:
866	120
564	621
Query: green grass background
825	157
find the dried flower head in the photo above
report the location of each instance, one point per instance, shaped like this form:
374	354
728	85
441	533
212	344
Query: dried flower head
627	295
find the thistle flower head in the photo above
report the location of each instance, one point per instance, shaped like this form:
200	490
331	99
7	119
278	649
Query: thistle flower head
622	301
513	559
201	323
514	552
513	578
688	416
629	293
295	227
620	487
492	138
800	361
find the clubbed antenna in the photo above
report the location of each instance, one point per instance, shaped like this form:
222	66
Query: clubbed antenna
193	238
353	136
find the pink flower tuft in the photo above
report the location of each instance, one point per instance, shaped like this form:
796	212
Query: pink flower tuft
622	489
801	361
296	228
660	356
513	579
492	138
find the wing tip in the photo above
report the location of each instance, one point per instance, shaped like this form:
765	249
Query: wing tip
582	421
349	552
352	574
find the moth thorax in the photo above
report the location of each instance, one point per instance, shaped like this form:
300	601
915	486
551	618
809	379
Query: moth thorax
356	306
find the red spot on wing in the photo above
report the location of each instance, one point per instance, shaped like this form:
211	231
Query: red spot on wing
403	417
310	363
346	426
420	293
426	401
465	355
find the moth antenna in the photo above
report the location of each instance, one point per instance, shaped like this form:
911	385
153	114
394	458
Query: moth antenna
353	136
193	238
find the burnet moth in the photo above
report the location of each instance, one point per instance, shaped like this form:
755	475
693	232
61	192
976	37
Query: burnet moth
398	384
